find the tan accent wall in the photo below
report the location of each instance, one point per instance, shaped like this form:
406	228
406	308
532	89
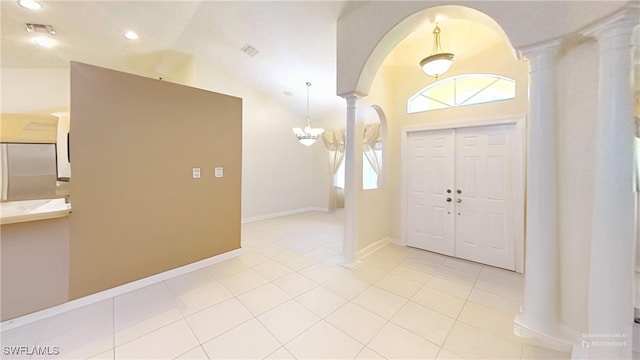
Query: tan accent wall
136	209
34	266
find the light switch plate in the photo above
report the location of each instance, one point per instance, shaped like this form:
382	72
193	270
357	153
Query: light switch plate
219	172
195	173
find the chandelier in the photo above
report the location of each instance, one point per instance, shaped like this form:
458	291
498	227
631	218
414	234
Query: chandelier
438	62
308	135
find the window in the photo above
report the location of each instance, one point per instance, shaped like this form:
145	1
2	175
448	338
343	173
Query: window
369	174
462	90
372	152
636	179
339	177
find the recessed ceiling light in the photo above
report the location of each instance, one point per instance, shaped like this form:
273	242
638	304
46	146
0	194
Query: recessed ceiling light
44	41
287	93
130	35
30	4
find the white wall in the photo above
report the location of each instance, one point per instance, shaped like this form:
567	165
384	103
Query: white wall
374	208
277	170
35	91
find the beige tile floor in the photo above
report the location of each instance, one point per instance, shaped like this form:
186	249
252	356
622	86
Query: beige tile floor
284	297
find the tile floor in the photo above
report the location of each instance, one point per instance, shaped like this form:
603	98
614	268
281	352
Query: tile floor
284	297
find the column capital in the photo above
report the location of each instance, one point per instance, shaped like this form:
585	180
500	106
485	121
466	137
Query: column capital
541	55
540	51
352	99
352	96
621	23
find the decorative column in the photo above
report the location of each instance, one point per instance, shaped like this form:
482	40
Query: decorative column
353	178
539	318
613	223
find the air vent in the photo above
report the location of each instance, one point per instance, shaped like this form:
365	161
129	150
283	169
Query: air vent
41	28
249	50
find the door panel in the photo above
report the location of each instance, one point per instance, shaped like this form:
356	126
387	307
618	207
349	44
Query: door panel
484	231
430	174
481	163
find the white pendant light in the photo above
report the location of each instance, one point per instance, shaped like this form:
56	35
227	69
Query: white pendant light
438	62
308	135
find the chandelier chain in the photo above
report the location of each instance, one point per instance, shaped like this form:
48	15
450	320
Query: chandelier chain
308	120
437	48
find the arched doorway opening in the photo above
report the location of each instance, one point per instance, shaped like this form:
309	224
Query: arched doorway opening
392	75
568	49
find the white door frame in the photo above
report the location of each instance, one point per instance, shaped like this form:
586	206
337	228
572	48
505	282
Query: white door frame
519	196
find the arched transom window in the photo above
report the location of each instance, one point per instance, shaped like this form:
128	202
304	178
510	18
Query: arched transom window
462	90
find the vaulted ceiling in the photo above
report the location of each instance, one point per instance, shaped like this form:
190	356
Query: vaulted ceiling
296	41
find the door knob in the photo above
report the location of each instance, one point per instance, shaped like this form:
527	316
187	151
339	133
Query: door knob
458	200
448	199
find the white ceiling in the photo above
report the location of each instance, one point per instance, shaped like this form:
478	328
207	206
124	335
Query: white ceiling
464	38
296	41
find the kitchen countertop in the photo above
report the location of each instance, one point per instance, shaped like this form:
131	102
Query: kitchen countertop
31	210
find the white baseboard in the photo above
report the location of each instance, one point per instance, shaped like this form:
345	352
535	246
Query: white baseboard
398	242
351	265
320	209
562	339
636	337
283	213
116	291
575	337
373	247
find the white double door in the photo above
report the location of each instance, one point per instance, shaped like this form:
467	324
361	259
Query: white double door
461	185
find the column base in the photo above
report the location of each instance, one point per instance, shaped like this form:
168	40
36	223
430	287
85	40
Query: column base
351	265
554	339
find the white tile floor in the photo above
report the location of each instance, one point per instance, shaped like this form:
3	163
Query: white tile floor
286	298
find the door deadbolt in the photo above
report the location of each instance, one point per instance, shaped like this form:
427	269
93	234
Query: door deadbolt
459	191
448	191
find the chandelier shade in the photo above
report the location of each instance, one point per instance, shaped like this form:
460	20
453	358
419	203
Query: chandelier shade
308	135
438	62
436	65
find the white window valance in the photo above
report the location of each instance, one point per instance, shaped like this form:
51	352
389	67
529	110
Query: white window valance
371	141
334	141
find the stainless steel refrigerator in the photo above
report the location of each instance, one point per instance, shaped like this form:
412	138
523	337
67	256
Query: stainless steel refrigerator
28	171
